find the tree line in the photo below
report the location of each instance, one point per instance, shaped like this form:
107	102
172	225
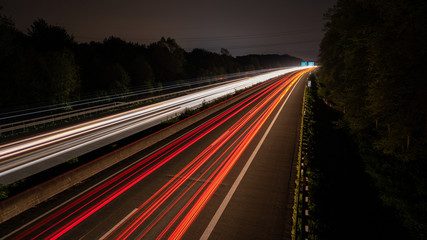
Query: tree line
46	65
372	68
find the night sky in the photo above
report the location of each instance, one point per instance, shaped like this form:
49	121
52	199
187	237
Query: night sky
243	27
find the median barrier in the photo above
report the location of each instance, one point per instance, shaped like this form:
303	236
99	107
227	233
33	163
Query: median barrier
17	204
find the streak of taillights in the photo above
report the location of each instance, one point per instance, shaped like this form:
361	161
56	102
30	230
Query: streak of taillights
242	142
74	213
102	203
231	160
183	175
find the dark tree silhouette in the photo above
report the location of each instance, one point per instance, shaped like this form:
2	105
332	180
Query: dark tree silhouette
372	58
46	65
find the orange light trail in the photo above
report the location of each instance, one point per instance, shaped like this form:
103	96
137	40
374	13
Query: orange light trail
185	173
232	159
215	179
179	199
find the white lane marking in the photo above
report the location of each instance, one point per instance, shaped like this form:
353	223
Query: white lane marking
236	183
118	224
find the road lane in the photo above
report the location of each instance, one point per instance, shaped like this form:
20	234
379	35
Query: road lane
261	207
209	229
171	187
28	156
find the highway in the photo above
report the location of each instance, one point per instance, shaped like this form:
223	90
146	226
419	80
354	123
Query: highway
28	156
227	177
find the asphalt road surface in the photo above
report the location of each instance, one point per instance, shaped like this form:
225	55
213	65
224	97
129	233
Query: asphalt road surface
25	157
227	177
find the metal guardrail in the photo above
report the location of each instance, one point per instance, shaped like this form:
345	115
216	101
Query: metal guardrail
10	127
300	229
14	126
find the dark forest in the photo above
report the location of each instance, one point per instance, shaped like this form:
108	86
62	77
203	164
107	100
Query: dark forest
372	69
46	65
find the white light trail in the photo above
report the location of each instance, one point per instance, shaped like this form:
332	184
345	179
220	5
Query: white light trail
26	153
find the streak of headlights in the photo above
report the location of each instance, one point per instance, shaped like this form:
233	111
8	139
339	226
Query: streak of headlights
25	153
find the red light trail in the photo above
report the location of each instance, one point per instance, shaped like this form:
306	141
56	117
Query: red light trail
181	199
